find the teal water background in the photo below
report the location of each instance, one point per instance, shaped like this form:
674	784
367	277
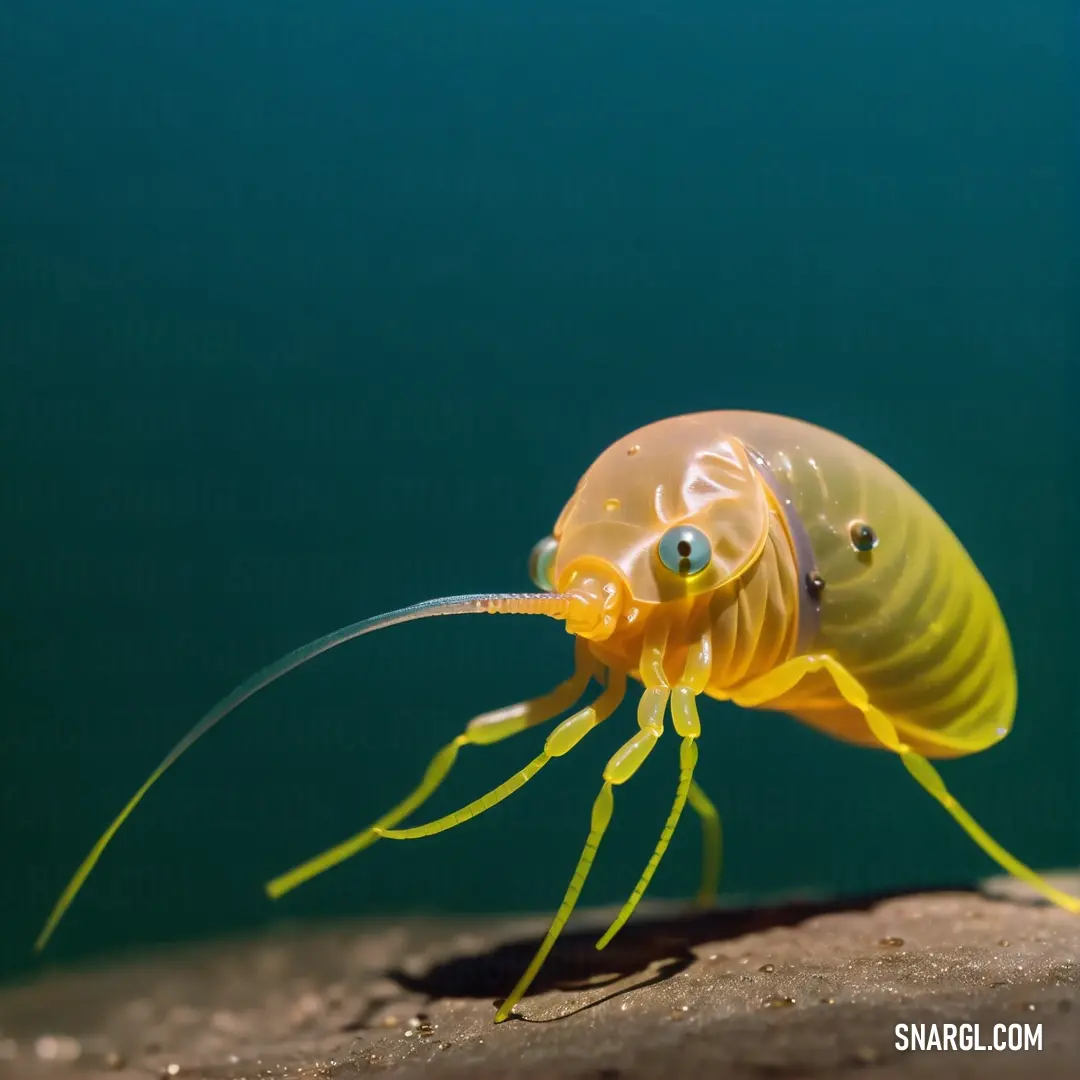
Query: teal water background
309	311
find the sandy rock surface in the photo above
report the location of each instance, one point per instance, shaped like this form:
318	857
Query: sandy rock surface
792	990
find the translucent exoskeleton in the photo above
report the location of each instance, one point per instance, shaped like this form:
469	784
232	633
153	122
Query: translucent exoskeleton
740	556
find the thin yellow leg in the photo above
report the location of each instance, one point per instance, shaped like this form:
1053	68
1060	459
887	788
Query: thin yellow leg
688	754
482	730
561	741
621	766
601	816
494	726
687	723
788	675
696	677
712	843
930	780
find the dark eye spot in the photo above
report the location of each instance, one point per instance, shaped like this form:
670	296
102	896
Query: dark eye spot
685	550
815	584
863	537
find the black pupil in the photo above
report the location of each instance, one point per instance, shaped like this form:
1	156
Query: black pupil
684	549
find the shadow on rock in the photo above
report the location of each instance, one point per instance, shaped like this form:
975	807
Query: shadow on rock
659	948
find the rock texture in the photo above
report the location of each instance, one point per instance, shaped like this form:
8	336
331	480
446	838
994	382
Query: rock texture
798	989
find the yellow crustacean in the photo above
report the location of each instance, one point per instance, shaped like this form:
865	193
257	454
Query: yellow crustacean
745	557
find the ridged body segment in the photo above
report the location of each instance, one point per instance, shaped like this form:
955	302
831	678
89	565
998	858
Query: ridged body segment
913	620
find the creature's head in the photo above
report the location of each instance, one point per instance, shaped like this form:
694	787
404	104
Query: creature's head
672	510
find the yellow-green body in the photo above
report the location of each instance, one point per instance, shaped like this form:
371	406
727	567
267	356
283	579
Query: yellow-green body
741	556
912	620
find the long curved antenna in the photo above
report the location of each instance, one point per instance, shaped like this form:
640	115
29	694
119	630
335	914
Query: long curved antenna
554	605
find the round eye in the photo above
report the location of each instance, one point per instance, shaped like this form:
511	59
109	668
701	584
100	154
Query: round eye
685	550
541	560
863	537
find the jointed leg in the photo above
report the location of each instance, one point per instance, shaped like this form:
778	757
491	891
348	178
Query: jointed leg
712	844
482	730
685	720
784	678
621	766
930	780
561	741
494	726
688	754
696	676
601	816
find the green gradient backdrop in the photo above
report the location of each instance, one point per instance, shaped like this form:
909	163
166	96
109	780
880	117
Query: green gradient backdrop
308	314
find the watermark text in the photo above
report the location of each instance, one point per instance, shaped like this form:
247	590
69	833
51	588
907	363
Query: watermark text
969	1037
